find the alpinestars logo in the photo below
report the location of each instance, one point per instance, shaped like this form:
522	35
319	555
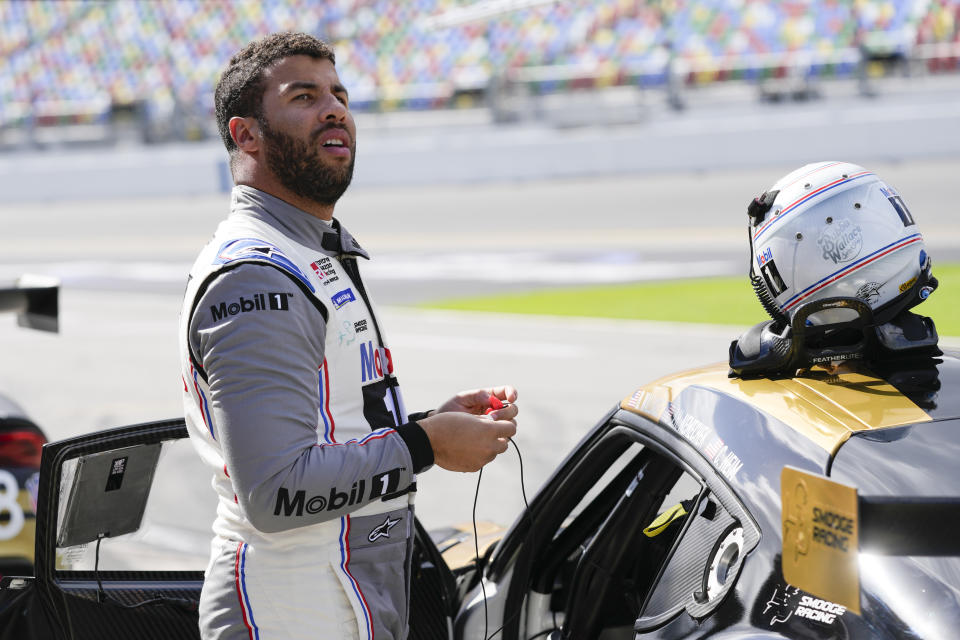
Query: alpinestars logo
258	302
383	531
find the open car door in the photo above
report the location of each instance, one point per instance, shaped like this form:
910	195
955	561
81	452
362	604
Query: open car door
112	558
122	538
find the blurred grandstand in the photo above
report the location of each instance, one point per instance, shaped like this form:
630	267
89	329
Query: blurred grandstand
99	71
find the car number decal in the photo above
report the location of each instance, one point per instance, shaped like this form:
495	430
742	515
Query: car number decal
9	490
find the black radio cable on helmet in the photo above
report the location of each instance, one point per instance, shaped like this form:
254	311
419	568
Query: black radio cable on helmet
756	211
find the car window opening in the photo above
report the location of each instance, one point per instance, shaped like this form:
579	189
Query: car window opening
605	552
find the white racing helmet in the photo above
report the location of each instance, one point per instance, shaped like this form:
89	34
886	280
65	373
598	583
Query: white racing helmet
834	229
836	259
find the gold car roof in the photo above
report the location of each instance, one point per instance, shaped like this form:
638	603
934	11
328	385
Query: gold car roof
825	407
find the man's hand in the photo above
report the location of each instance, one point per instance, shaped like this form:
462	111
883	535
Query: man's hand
464	442
477	401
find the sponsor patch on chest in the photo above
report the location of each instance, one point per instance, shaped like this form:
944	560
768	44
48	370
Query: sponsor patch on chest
341	298
325	270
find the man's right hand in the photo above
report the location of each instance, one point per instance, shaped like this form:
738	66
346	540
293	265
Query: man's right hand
465	442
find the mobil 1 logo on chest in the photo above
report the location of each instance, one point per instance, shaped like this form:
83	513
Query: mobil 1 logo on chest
382	401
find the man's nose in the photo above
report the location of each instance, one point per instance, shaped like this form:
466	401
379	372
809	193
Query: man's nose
333	109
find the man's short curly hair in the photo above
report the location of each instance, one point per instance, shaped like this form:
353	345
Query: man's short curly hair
240	89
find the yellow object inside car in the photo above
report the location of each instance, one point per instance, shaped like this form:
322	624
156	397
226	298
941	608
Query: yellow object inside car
664	520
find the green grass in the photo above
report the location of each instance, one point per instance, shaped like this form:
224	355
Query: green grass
710	300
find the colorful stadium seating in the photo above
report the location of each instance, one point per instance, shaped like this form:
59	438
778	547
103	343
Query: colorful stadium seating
73	61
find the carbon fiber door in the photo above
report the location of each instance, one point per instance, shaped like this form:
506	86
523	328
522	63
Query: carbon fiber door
139	584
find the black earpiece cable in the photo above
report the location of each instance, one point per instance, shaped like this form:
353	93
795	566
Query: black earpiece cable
476	543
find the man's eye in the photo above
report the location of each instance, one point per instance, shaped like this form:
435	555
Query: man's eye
342	99
302	96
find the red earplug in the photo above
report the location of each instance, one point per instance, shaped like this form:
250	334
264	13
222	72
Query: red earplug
494	405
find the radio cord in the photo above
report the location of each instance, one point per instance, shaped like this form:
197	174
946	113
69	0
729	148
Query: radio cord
476	542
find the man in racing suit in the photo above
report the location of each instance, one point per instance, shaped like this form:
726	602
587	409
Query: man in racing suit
289	385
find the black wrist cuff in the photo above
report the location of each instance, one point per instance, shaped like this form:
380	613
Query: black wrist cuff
418	415
421	452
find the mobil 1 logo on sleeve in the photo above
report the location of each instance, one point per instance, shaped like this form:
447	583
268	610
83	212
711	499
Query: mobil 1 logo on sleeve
267	301
298	502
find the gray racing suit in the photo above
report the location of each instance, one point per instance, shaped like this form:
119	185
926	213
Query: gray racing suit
291	399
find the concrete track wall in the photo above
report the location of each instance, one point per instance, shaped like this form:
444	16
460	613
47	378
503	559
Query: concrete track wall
914	120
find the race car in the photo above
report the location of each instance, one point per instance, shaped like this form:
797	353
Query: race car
705	506
681	514
21	441
36	304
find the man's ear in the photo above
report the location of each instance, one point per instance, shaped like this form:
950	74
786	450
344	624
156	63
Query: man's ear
245	133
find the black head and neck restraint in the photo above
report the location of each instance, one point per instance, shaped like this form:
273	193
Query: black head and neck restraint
771	349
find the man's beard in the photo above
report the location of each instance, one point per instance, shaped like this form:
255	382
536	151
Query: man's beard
300	168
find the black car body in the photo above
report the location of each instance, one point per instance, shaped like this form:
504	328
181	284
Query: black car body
664	522
584	566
